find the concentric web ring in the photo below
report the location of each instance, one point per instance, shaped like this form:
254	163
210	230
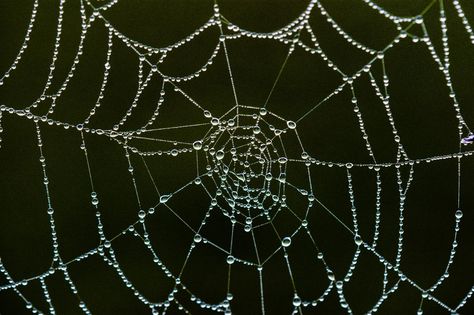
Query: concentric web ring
253	208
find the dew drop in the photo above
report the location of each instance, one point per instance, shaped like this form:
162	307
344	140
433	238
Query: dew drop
197	145
286	241
220	155
197	238
230	259
291	124
215	121
331	275
164	198
296	301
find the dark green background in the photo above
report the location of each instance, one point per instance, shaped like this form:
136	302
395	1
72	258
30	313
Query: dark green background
422	111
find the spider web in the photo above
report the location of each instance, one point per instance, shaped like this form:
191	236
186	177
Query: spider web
254	169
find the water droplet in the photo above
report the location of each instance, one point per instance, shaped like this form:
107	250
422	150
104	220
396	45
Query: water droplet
291	124
197	238
141	214
220	155
164	198
282	178
197	145
468	140
230	259
296	301
358	240
286	241
459	214
331	275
